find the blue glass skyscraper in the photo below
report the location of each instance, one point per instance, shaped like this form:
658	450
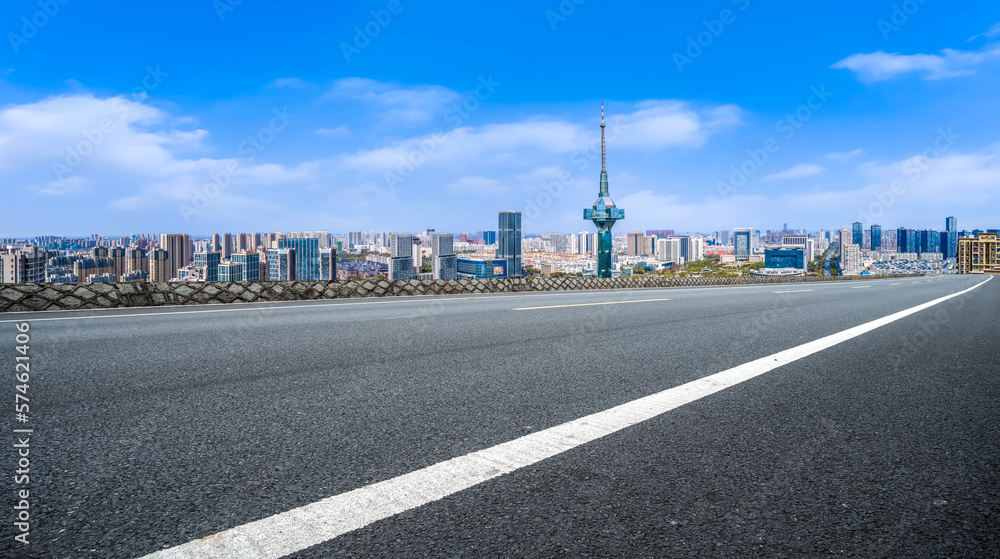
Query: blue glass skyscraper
307	264
251	265
209	261
876	237
509	242
950	247
858	237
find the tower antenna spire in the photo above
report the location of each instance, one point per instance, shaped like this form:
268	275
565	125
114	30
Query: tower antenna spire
604	168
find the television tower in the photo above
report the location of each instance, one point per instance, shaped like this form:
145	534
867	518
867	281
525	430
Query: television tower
604	214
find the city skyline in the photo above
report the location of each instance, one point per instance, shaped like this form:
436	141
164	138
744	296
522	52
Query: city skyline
868	122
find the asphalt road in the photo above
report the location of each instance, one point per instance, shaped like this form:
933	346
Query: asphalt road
156	427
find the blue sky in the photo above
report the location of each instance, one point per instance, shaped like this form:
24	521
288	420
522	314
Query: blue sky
403	115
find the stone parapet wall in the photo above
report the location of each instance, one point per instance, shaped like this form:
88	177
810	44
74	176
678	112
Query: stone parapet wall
72	296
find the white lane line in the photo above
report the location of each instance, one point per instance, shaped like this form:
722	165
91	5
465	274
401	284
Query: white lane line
860	286
794	291
306	526
590	304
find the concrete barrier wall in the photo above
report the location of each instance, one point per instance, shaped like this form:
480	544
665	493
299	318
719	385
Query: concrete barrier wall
71	296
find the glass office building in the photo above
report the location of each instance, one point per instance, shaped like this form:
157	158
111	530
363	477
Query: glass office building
208	261
281	264
251	266
741	243
509	242
785	257
468	268
328	263
307	264
876	237
231	271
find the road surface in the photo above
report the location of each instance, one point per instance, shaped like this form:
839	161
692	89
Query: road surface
831	433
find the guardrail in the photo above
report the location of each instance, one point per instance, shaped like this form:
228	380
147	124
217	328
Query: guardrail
72	296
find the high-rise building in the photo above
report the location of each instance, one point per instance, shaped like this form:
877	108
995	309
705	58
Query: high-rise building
648	246
216	243
209	263
178	249
243	241
979	254
120	267
490	237
229	271
250	262
307	262
355	239
907	240
282	264
509	242
136	261
858	236
159	265
401	257
950	237
633	244
604	214
328	263
742	244
227	245
443	260
686	247
850	259
27	265
669	250
876	235
929	241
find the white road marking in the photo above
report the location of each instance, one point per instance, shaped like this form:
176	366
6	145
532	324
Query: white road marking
306	526
860	286
590	304
795	291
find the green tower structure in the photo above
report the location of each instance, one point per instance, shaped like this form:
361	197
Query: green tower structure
604	214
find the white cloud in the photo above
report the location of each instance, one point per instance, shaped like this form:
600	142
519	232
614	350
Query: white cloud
413	104
477	186
845	157
659	124
881	66
991	33
342	131
802	171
